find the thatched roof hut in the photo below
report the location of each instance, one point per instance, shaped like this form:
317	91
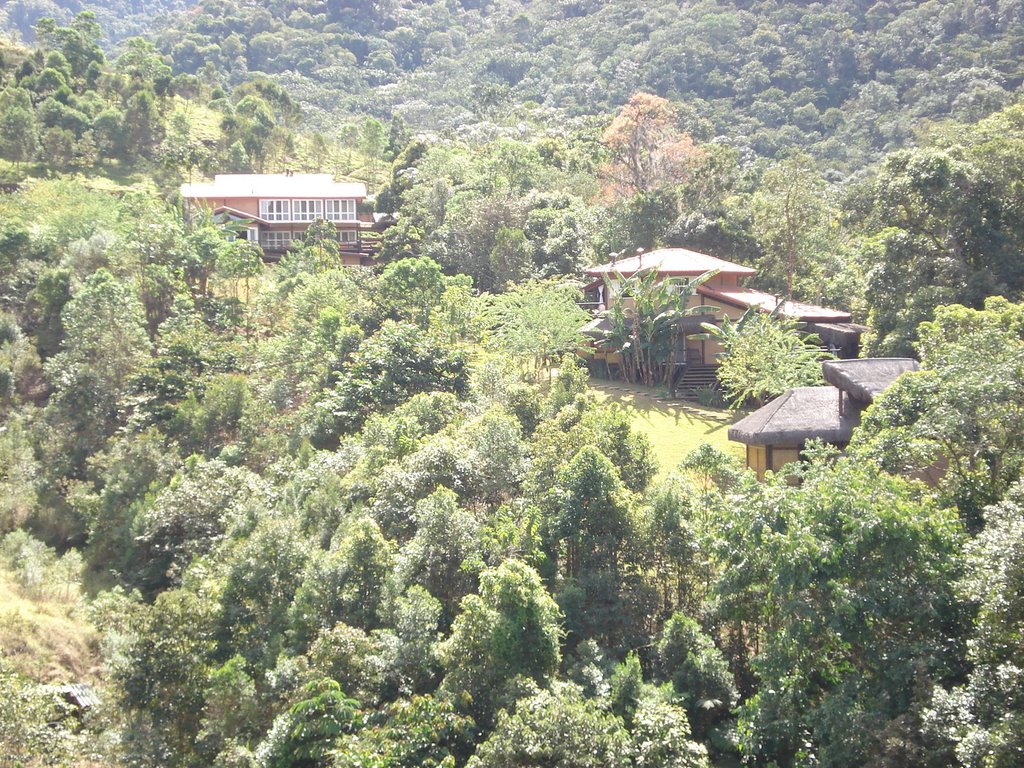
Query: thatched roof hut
797	416
775	434
868	377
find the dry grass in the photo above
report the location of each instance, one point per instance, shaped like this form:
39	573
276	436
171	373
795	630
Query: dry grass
674	428
46	639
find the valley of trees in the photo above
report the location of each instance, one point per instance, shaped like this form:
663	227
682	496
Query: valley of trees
317	516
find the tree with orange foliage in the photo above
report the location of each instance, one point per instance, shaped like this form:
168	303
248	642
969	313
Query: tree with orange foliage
647	150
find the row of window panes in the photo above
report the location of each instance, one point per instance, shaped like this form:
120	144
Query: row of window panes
307	210
284	239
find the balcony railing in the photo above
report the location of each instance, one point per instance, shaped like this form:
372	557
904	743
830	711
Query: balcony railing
363	248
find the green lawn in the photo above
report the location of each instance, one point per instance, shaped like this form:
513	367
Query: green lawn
673	428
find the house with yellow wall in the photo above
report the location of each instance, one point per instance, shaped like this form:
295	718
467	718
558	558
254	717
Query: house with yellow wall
724	294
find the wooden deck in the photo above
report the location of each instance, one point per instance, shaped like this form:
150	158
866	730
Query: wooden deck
365	251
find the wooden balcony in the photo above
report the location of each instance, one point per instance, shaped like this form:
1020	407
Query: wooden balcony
365	250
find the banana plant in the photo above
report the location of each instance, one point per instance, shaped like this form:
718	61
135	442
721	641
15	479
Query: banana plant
646	333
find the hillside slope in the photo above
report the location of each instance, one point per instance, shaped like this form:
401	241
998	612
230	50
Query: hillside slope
847	79
120	18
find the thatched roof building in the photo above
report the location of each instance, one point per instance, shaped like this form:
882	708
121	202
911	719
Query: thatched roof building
868	377
777	433
797	416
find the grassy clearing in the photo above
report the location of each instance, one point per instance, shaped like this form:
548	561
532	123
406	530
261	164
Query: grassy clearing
45	639
205	122
116	178
673	428
105	177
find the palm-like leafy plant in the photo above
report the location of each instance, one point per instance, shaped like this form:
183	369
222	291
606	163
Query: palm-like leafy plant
647	332
764	355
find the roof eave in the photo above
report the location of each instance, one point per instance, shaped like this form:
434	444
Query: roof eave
791	438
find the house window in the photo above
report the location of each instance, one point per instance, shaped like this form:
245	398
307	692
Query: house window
274	210
340	210
277	240
347	236
307	210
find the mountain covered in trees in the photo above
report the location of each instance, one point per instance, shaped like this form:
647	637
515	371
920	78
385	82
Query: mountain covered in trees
843	80
120	20
308	515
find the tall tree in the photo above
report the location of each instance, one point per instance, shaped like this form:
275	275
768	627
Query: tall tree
793	222
947	235
587	537
510	629
842	587
647	148
105	338
537	320
444	555
372	137
19	139
345	584
961	418
983	719
409	289
143	128
559	729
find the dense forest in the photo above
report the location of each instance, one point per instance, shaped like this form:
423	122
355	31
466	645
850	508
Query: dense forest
309	515
120	20
845	81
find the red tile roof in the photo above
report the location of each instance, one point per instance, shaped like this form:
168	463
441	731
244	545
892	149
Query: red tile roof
672	261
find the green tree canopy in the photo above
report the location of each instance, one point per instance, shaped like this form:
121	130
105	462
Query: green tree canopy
983	719
557	728
510	630
960	418
844	586
764	355
537	320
